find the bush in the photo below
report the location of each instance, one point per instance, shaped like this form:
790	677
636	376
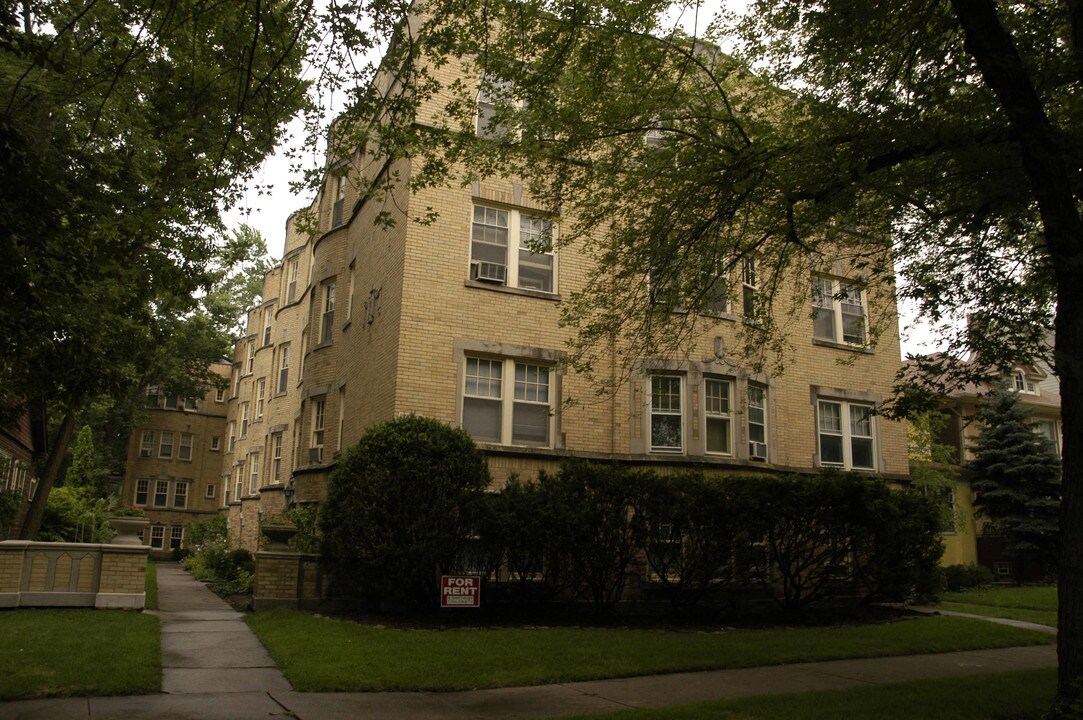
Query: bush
75	514
966	577
306	518
10	504
226	572
399	508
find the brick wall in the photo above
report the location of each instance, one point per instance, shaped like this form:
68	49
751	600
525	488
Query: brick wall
36	574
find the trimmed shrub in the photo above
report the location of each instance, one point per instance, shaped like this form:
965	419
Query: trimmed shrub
399	508
966	577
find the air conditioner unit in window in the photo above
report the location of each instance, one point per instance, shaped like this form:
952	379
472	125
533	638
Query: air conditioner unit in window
315	455
488	272
757	450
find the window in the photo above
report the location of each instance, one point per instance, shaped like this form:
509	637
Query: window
511	248
490	92
291	273
284	369
667	424
749	288
171	402
220	395
250	357
189	403
146	445
268	315
757	422
161	493
216	442
716	394
261	391
153	396
239	482
845	434
341	416
165	446
490	414
210	491
340	198
184	451
838	311
232	435
180	495
142	490
349	297
276	457
327	326
236	382
253	477
318	408
176	537
244	420
157	536
1048	430
1022	384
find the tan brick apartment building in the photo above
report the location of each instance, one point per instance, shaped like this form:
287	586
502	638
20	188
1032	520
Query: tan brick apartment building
174	463
458	320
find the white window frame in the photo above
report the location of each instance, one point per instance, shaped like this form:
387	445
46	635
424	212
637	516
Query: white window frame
142	488
250	357
349	296
835	298
845	432
176	537
244	420
232	435
276	457
341	417
284	369
239	480
146	444
1022	384
1054	436
210	491
718	410
489	90
512	390
219	394
183	446
750	288
216	443
261	393
160	493
157	537
253	474
756	417
180	495
162	445
515	248
327	320
660	405
319	416
291	274
268	318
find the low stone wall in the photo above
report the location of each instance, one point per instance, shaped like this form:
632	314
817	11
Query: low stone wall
49	574
287	579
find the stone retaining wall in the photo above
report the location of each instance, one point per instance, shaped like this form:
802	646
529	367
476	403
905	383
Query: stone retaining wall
287	579
50	574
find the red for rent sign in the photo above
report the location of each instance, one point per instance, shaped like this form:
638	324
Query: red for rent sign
460	591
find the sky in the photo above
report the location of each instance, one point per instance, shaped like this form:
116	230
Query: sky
268	201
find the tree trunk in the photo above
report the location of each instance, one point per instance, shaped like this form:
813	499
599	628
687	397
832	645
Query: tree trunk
991	46
1069	367
34	516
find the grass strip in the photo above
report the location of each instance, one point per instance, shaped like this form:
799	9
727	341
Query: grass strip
1042	617
1022	695
324	654
150	586
1028	597
61	653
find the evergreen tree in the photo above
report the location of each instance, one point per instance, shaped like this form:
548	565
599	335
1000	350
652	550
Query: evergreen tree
1017	477
86	470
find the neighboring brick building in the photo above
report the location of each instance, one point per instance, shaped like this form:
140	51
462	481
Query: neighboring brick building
17	473
174	463
457	320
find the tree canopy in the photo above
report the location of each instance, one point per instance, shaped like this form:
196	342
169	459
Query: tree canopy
938	139
125	128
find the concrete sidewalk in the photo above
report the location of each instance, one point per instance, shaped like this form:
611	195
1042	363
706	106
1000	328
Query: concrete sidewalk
214	668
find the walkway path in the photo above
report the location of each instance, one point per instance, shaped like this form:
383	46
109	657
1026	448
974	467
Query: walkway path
214	668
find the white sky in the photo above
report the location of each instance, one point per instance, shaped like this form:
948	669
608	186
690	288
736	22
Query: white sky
268	201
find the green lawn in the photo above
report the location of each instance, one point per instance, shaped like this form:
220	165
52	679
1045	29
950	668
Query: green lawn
151	586
57	653
1021	695
323	654
1037	604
